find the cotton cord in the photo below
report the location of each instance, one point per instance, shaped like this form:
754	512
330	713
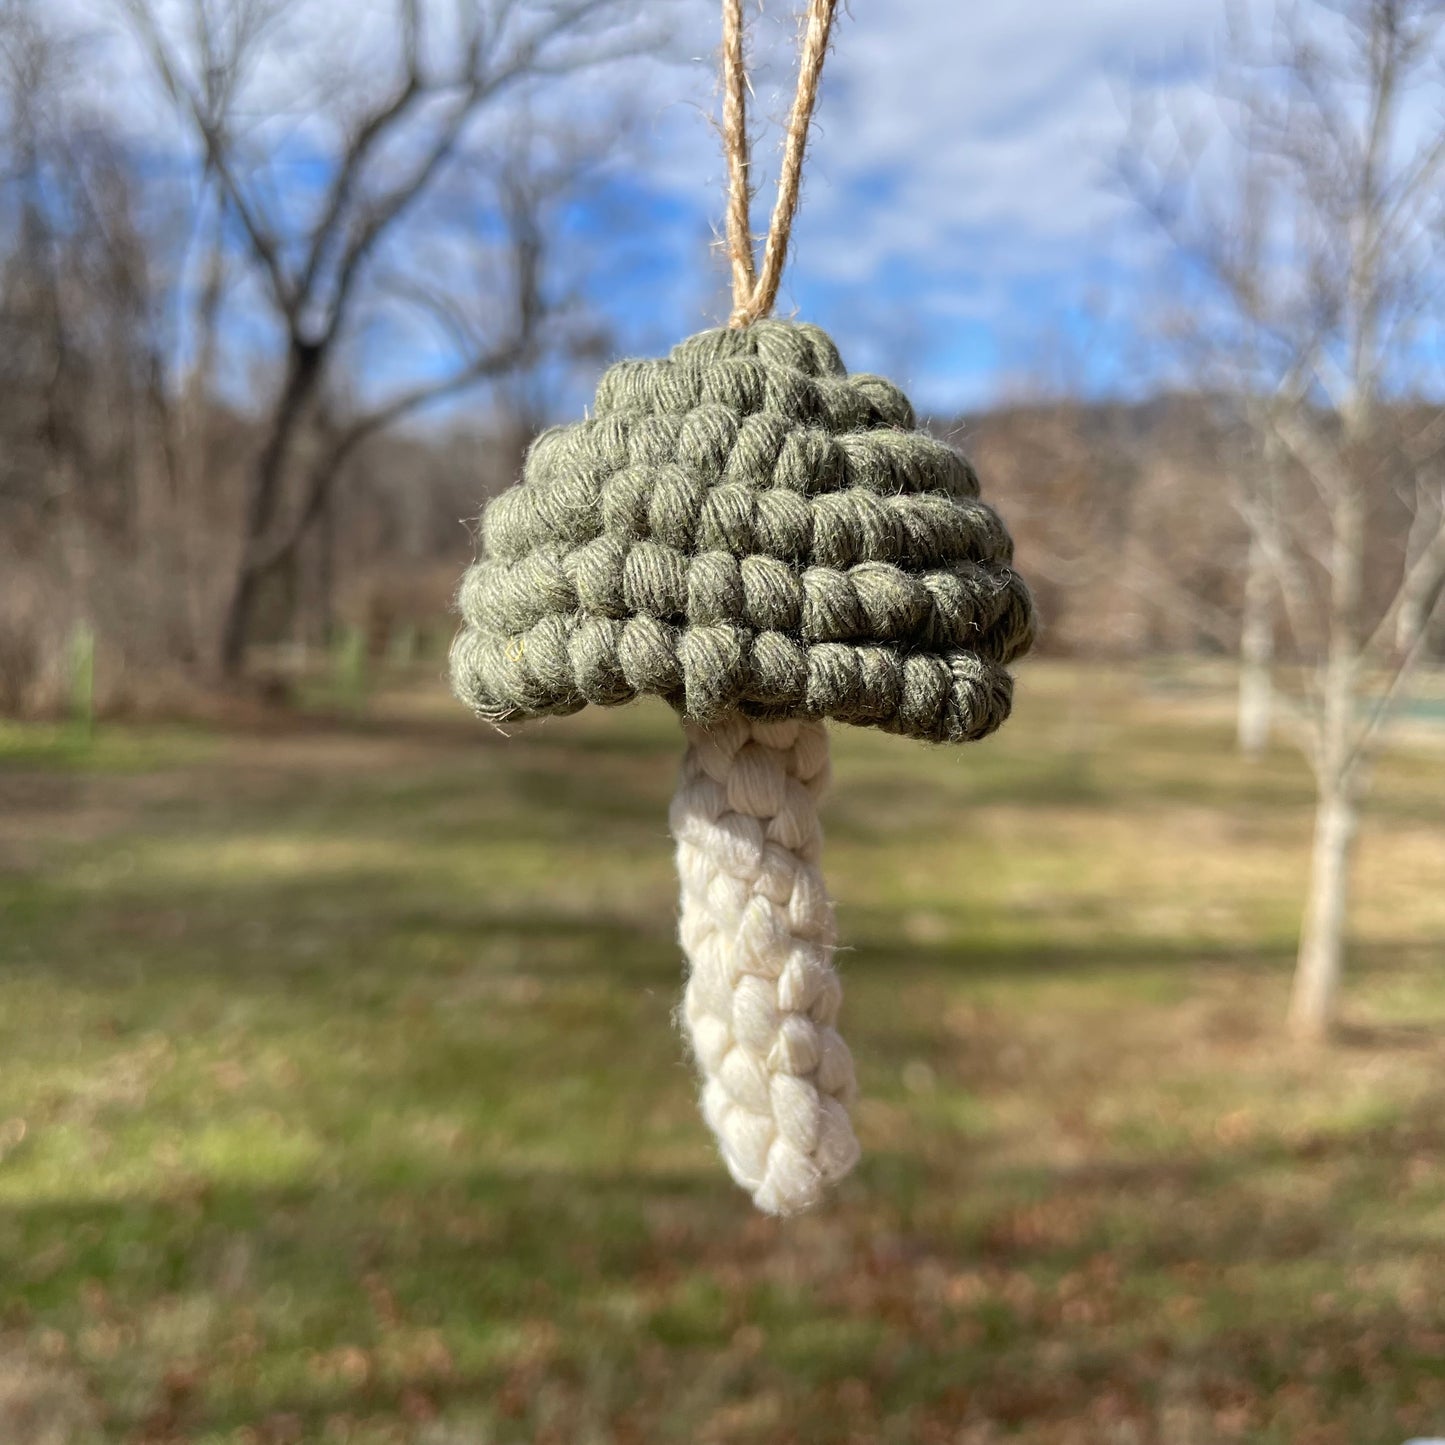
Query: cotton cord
743	527
755	294
762	996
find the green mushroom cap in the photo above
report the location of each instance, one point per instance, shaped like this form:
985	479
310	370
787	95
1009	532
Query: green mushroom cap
746	528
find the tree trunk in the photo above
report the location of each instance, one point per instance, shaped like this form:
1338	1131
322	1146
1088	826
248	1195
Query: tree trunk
1322	939
1256	655
1322	936
303	375
236	630
1417	608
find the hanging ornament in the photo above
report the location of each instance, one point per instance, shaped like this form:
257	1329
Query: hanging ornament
766	542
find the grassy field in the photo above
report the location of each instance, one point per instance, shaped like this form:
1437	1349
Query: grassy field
340	1099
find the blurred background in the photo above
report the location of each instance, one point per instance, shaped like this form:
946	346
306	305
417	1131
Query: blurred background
340	1096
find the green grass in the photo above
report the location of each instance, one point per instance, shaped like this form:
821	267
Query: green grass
340	1099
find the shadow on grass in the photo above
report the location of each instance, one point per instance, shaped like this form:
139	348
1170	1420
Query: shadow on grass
478	1254
250	929
632	731
612	1290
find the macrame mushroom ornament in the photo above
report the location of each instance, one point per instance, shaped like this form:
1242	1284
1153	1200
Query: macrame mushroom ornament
765	542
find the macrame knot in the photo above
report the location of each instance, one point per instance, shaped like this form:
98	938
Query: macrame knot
748	532
744	528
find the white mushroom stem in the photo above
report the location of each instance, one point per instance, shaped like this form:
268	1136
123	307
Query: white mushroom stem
757	926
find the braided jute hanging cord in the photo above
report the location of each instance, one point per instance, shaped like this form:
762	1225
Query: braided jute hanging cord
754	292
762	996
767	543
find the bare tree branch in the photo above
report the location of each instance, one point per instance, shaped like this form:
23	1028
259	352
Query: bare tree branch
1321	292
399	149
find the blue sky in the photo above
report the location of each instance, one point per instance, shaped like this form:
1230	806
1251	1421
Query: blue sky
958	228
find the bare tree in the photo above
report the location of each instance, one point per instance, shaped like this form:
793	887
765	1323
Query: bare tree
430	132
1315	229
84	481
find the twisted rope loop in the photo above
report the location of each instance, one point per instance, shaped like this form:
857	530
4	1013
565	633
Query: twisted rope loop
755	290
757	926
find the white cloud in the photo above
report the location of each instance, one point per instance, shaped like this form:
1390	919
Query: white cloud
960	148
958	151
